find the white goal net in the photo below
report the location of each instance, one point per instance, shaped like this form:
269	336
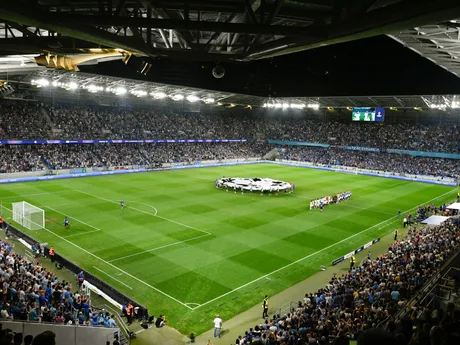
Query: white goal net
29	216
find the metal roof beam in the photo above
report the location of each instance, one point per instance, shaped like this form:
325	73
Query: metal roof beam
107	21
35	17
394	17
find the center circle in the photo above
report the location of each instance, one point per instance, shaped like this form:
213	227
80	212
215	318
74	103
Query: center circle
255	184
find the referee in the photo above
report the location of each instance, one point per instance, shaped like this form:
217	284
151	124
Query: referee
265	307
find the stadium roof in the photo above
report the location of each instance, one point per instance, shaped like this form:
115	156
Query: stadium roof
213	30
439	43
92	86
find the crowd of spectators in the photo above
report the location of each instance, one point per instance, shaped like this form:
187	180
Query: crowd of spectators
116	155
27	120
353	303
395	163
31	292
15	158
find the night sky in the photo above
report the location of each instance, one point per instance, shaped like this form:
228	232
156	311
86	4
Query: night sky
375	66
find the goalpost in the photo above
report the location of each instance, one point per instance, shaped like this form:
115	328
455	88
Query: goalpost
29	216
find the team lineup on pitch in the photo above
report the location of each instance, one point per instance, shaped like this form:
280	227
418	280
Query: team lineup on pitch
159	244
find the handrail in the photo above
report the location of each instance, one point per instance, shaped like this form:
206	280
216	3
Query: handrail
428	286
120	322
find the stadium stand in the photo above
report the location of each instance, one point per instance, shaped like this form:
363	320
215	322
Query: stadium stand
348	306
403	164
35	294
14	158
367	296
26	120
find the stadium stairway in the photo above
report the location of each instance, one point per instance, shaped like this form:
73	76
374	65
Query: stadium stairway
272	155
46	116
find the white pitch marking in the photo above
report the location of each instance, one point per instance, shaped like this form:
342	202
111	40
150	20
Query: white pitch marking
156	248
34	194
82	233
198	304
313	254
78	220
142	211
108	275
117	268
141	203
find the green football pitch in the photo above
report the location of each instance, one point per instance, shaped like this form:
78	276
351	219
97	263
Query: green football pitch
188	250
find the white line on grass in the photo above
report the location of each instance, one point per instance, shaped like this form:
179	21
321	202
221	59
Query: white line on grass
117	268
313	254
82	233
78	220
156	248
108	275
142	211
35	194
198	304
141	203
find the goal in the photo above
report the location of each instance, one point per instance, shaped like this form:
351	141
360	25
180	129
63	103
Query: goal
29	216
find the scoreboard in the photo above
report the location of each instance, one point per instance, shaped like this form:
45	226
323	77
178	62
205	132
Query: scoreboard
368	114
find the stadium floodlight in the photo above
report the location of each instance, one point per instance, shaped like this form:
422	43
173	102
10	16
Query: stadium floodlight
455	105
209	100
120	90
438	106
278	105
192	98
93	88
285	105
297	106
314	106
178	97
72	85
40	82
29	216
138	93
158	95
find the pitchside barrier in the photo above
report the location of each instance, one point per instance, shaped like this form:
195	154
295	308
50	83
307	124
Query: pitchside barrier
95	284
204	164
356	251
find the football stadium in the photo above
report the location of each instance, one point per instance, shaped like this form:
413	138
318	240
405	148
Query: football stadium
229	172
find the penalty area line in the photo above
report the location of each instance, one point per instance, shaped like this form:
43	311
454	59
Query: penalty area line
313	254
78	220
117	268
108	275
81	233
145	212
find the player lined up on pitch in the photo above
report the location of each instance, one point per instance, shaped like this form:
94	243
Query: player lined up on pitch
327	200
